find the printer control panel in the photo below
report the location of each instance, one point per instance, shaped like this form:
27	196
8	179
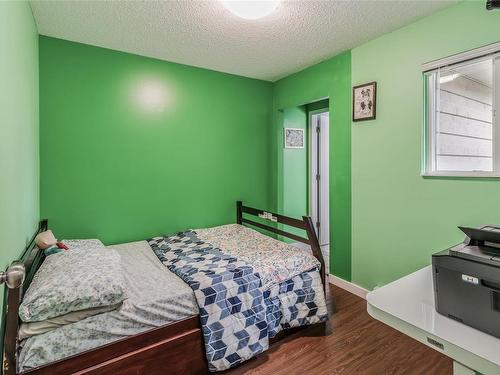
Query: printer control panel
470	279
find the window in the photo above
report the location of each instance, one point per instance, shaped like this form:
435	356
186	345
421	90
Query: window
462	132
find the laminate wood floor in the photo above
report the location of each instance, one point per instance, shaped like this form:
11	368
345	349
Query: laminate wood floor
358	344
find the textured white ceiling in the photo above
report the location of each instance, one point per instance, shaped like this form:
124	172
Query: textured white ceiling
205	34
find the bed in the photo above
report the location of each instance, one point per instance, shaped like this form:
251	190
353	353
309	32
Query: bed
154	327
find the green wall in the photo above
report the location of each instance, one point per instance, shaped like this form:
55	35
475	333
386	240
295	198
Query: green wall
399	218
294	199
132	147
329	79
19	161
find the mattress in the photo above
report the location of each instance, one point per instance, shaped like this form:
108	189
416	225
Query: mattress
156	297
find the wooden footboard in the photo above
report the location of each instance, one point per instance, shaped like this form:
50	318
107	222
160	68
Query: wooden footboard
176	348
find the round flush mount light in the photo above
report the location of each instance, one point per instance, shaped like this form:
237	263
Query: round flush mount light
251	9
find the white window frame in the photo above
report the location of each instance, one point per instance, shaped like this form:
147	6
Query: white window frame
431	93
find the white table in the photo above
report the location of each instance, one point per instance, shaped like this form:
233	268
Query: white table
407	305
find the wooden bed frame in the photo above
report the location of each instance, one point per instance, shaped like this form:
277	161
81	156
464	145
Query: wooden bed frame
177	346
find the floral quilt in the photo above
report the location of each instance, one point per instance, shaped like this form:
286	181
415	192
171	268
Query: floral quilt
274	260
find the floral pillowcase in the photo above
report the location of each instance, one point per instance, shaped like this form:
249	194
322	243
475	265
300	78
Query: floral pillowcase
75	280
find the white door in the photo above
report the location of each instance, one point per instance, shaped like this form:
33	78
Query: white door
319	177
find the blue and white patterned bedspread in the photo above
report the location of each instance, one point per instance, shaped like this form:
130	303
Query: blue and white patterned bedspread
238	315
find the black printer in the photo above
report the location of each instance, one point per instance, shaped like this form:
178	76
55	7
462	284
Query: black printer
467	279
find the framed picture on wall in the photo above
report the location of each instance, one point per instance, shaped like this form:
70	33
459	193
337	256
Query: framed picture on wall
294	137
364	102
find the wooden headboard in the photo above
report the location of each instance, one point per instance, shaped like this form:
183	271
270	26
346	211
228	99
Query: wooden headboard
305	224
31	259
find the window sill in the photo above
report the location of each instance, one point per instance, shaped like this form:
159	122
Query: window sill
461	175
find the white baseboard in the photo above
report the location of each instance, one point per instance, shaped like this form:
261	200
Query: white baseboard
347	285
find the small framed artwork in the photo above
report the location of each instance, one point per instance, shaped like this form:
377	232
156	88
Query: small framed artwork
294	137
364	102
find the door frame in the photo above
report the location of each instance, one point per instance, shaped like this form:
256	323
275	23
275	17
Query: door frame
311	129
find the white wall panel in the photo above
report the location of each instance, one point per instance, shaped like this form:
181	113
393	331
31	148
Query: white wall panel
469	88
457	145
462	106
454	163
463	126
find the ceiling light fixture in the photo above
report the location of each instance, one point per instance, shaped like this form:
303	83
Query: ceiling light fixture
251	9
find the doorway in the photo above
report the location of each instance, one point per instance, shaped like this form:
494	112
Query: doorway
303	178
319	190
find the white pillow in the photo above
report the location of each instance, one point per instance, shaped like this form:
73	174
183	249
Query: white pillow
37	328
